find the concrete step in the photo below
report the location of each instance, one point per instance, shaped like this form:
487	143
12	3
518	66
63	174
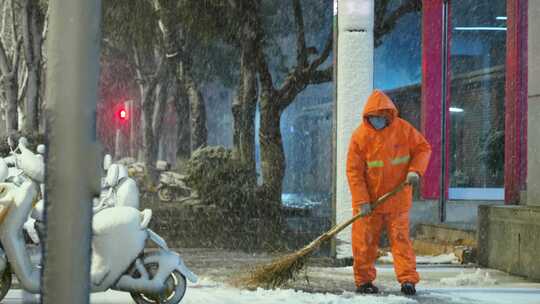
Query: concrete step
430	247
448	234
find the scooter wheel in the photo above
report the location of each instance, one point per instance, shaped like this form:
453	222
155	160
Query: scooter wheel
174	292
5	283
166	194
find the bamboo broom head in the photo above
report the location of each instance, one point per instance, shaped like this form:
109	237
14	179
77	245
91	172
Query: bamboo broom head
277	273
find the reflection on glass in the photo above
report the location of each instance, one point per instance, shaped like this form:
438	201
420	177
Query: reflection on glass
398	55
307	136
477	62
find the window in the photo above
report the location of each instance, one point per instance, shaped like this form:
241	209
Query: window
477	96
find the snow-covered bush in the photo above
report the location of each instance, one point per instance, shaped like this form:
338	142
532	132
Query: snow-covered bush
223	183
220	179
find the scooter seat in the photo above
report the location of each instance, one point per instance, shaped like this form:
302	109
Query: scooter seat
109	220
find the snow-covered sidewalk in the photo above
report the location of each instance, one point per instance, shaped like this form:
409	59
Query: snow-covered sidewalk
440	285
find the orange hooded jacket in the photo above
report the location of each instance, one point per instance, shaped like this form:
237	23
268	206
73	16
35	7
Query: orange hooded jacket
379	160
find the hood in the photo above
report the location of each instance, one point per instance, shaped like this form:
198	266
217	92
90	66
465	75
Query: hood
379	103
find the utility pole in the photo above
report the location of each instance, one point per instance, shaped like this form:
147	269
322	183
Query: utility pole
73	162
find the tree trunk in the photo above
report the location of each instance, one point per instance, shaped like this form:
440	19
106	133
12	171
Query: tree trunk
32	39
189	102
9	85
159	112
199	132
11	112
183	142
244	110
149	148
272	153
32	101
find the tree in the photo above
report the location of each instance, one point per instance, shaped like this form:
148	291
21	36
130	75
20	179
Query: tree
11	69
250	26
175	33
33	32
21	61
244	106
131	28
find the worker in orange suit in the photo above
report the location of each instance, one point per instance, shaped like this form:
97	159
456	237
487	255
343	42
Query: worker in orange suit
384	151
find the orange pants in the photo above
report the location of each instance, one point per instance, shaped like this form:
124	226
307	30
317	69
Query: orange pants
365	243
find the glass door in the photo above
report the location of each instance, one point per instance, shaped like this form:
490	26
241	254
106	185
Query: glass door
477	44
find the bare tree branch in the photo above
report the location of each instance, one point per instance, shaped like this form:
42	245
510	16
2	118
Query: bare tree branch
322	76
4	19
23	86
264	71
386	25
381	7
16	56
325	53
301	53
5	67
300	78
37	35
13	22
45	25
138	67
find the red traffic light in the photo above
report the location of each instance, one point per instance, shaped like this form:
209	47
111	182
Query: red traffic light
122	114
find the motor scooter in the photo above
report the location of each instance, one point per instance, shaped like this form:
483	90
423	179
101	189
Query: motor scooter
118	189
158	276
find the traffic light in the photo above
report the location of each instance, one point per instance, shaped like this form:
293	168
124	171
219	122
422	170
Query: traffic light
122	114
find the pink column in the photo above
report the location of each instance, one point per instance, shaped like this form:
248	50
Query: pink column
432	53
515	166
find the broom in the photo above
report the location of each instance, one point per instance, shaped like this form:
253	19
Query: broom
280	271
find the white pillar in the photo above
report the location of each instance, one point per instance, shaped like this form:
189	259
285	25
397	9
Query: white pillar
354	85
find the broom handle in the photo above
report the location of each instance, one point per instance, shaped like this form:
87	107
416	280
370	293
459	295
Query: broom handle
338	228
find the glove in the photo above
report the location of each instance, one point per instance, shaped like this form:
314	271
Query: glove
365	209
413	178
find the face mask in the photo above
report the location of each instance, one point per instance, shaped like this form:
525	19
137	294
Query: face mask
378	122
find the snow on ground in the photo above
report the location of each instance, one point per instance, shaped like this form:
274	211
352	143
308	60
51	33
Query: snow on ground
450	258
485	296
210	292
344	249
479	277
207	291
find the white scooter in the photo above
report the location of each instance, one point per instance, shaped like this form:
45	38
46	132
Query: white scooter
118	189
151	277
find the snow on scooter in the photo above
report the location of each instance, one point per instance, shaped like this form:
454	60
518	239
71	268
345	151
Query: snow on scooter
118	189
157	276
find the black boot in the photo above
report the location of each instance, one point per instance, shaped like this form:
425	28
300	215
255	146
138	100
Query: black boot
367	288
408	289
